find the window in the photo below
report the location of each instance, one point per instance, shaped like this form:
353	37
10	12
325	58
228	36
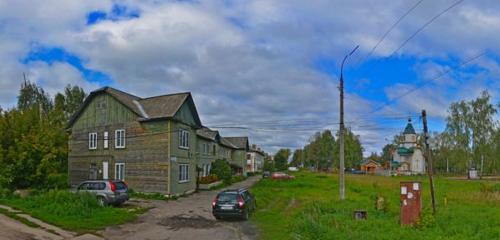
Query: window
183	173
92	140
214	150
184	139
106	140
120	138
249	156
120	171
206	148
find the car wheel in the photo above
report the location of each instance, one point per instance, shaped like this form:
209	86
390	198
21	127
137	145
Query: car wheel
101	201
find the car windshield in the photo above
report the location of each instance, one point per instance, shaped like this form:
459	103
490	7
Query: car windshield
228	197
120	186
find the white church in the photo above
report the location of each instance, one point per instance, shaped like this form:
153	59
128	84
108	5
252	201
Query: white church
408	157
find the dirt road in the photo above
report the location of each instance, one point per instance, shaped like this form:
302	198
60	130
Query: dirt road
186	218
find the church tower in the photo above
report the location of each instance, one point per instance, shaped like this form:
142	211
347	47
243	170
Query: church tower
409	136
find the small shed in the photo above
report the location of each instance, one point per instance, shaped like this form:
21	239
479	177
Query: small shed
369	166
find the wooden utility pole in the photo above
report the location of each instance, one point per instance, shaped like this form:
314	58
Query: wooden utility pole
429	160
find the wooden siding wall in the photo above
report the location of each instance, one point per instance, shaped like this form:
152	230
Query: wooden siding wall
145	155
183	156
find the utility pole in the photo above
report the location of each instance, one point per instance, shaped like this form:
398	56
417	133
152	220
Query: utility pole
341	129
429	160
482	164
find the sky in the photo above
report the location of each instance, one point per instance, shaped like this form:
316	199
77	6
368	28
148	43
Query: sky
263	68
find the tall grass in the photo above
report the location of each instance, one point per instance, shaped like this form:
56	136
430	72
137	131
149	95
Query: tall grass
73	211
309	208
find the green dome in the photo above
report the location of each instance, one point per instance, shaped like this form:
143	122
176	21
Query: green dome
409	128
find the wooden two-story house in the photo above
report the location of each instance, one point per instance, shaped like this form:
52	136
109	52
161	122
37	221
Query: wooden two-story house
151	143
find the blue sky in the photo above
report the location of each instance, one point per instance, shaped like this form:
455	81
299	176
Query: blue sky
271	66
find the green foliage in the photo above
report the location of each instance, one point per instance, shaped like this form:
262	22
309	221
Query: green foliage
268	165
471	135
222	170
209	179
309	207
72	211
281	159
33	142
238	178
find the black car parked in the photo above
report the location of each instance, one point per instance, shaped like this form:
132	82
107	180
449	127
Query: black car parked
233	203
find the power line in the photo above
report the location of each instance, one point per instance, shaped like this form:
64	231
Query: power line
390	29
428	81
425	25
417	32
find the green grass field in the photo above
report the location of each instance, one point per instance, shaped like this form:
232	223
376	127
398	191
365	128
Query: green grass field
308	207
70	211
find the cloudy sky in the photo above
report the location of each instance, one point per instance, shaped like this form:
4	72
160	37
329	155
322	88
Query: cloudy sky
263	68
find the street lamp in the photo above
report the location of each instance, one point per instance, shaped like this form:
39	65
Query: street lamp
341	128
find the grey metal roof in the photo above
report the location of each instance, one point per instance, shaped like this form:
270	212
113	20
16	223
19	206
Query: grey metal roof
164	106
207	133
239	142
227	143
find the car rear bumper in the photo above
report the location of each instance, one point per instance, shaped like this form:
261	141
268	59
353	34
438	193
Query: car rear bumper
119	199
232	213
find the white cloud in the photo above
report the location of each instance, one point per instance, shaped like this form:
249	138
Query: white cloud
252	61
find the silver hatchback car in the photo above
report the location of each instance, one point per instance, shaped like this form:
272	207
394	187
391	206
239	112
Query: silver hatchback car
108	192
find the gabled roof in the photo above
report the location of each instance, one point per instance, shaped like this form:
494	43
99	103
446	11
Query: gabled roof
239	142
207	133
227	143
163	106
152	108
367	161
409	128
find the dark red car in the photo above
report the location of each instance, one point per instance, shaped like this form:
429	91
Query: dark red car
281	175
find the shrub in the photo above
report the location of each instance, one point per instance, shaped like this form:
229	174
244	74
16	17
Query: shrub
209	179
222	170
5	193
57	181
238	178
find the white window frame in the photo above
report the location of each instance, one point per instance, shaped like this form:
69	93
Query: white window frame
106	140
184	139
183	173
93	140
120	140
119	166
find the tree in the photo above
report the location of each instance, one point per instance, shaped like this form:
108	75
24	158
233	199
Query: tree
33	142
353	151
281	159
470	128
298	158
73	99
32	96
387	153
222	169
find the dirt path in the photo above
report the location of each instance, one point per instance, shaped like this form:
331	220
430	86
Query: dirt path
186	218
12	229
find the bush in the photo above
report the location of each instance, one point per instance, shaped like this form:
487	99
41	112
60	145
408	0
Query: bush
222	170
238	178
209	179
5	193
